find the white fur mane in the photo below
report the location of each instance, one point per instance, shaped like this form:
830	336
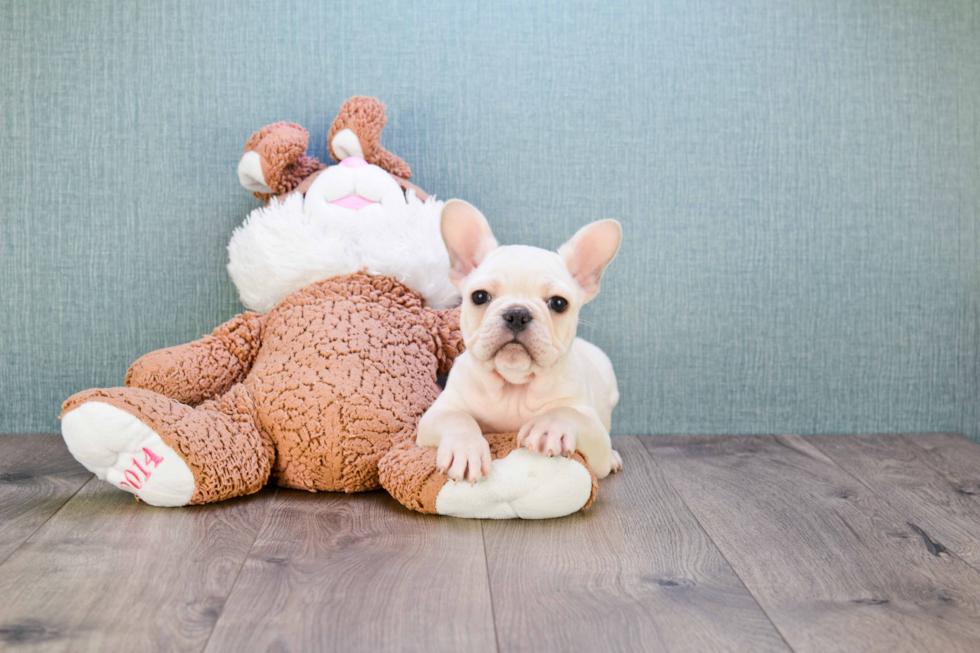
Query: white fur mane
279	249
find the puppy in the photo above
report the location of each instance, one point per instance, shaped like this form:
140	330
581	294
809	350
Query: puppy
523	369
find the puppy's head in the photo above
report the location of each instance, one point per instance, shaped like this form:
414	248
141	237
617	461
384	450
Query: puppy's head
521	304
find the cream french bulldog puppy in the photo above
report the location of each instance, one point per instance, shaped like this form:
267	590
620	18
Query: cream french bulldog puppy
523	369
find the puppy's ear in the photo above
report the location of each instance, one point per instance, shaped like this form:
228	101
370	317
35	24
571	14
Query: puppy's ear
589	252
467	236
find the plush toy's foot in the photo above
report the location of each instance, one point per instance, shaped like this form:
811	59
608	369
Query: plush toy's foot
123	451
521	484
165	452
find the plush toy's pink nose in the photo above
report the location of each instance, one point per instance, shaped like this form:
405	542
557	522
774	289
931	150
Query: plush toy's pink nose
353	162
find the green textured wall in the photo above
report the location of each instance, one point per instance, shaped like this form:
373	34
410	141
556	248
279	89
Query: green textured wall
799	182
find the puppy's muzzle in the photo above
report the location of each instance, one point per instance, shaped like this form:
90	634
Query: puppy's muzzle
517	319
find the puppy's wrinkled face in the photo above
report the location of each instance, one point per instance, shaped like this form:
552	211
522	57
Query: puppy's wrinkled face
521	304
520	310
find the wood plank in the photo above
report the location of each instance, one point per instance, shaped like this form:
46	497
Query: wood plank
634	572
37	477
334	572
933	479
834	566
957	457
108	573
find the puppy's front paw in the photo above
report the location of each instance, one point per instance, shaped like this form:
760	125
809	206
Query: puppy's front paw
617	462
464	458
548	435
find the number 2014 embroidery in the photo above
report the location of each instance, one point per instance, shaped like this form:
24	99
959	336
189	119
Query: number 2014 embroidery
132	478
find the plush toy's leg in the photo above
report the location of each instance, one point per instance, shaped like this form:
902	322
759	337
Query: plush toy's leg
165	452
521	484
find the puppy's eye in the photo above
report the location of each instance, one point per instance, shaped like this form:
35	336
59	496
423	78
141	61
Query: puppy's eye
558	304
480	297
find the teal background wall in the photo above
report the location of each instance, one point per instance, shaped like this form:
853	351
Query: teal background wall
799	182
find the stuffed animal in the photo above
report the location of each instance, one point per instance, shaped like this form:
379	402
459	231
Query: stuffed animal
322	387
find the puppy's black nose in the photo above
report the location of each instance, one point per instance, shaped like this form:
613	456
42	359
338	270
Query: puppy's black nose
517	319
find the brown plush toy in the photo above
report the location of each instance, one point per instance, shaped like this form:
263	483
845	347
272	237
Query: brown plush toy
321	390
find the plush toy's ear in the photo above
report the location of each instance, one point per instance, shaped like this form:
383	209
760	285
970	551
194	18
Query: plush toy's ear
467	236
356	131
589	252
275	160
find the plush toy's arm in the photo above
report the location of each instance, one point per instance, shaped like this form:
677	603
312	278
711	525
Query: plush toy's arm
447	340
202	369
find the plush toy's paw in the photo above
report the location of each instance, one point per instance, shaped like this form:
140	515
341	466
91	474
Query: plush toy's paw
464	458
123	451
521	484
548	435
617	462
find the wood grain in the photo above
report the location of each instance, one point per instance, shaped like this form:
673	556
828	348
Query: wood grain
860	555
833	565
334	572
108	573
634	572
933	479
37	477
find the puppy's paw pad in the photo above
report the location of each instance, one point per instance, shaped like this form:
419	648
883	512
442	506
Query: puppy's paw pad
123	451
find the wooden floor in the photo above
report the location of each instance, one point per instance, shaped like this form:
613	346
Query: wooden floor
843	543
